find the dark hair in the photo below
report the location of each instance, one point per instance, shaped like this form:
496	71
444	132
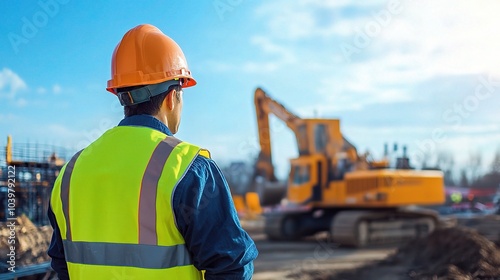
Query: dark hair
151	107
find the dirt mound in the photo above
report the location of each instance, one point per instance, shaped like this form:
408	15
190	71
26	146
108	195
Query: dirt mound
458	253
452	253
31	243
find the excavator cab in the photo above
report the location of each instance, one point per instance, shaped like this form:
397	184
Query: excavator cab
318	136
324	156
307	179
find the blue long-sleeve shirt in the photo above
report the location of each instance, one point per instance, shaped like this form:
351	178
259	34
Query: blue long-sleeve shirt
205	217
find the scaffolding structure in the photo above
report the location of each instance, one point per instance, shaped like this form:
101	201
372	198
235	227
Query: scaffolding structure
36	168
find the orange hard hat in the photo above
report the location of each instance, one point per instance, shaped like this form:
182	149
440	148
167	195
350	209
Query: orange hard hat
146	56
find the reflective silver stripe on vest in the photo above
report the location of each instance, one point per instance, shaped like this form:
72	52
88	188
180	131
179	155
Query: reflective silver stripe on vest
65	191
149	185
132	255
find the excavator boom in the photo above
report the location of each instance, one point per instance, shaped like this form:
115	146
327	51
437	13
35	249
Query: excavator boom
265	105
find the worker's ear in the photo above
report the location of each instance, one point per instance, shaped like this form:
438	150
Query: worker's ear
169	100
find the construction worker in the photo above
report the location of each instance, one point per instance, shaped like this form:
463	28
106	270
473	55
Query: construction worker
139	203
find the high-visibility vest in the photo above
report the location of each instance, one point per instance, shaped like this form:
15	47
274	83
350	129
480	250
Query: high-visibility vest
113	205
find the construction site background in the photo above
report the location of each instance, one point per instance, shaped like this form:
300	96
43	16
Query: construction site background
37	166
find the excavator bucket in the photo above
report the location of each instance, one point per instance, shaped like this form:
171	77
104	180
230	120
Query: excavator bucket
271	193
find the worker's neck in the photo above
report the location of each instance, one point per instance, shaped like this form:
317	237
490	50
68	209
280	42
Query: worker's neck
162	118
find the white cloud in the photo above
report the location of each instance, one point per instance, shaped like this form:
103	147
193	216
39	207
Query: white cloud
225	146
487	128
216	66
286	20
41	90
62	131
286	55
7	118
428	39
56	89
305	19
21	102
10	84
447	37
363	88
276	57
260	67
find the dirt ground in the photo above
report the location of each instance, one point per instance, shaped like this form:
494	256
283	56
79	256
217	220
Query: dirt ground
283	260
292	260
454	253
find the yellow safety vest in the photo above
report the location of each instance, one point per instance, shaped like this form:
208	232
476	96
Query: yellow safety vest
113	206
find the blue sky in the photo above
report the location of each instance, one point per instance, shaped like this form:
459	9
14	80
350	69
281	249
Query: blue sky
419	73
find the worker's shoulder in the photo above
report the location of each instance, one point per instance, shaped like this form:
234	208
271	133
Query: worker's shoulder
202	164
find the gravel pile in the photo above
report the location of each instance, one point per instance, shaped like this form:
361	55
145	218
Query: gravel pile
31	243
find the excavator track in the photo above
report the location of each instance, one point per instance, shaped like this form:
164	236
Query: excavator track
282	226
361	228
287	226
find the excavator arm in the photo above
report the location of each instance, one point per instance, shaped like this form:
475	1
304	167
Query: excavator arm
265	105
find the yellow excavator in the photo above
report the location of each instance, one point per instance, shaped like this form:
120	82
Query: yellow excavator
332	188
